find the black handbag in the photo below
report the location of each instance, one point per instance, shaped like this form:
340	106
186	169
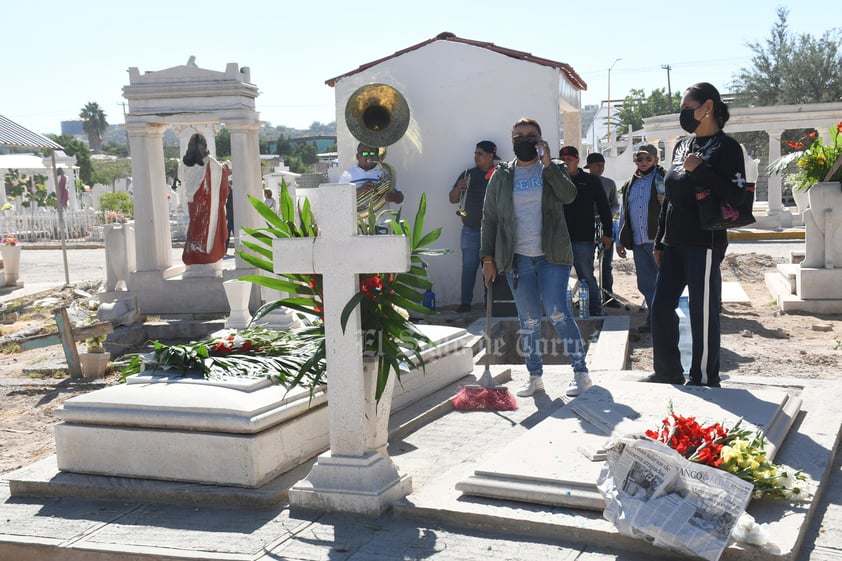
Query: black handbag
716	214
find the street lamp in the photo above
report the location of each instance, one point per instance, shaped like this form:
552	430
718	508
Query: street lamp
609	102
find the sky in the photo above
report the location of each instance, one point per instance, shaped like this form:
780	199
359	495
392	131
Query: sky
55	57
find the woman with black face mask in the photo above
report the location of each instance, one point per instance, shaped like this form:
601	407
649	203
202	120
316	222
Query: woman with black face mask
524	236
706	163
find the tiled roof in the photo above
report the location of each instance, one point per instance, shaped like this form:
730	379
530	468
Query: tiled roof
565	68
12	134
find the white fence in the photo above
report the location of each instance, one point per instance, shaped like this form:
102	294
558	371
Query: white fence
79	225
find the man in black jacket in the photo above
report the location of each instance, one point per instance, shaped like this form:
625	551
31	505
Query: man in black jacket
590	201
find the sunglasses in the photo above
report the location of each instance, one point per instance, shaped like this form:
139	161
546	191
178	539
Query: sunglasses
644	159
368	154
530	137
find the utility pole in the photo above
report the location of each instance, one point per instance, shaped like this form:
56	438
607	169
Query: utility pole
609	104
667	67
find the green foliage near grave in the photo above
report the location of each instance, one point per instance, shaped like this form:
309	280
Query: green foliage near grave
121	203
30	190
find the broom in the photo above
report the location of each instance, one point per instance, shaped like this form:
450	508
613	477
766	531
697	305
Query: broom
484	395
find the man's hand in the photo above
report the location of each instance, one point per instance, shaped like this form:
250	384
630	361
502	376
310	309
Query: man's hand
365	188
621	251
489	272
456	192
393	196
658	254
606	242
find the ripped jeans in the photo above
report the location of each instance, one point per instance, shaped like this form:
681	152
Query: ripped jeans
539	280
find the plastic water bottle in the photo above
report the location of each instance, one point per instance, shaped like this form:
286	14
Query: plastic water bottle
584	304
569	300
430	300
685	335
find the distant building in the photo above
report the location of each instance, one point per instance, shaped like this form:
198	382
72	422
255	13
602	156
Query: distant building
73	128
322	142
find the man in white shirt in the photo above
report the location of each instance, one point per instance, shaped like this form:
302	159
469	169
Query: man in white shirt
367	172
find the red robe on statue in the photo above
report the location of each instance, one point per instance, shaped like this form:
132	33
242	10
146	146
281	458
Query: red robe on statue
207	233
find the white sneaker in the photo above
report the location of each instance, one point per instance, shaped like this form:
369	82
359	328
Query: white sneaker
579	384
535	384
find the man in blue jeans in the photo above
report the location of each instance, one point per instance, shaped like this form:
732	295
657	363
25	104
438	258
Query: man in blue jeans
642	196
469	190
590	201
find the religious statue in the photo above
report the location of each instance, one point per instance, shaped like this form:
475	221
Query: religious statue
205	184
63	194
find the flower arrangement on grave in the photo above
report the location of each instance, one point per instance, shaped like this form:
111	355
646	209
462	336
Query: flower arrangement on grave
735	450
9	240
285	355
815	160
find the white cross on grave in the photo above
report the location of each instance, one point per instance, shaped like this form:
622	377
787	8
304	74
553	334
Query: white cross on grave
350	477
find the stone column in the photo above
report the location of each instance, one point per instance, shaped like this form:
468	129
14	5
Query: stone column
153	241
775	180
669	147
245	163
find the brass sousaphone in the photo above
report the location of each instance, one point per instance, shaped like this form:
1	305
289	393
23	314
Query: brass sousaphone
378	116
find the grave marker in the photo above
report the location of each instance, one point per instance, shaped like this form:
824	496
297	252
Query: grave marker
350	477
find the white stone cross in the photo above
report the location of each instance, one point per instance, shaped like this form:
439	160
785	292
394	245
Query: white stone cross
340	255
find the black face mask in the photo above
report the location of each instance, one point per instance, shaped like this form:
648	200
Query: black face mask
687	121
525	150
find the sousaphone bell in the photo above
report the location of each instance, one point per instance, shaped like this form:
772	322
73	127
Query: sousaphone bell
378	116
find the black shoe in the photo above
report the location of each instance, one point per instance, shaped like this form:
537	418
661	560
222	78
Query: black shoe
658	379
612	304
463	309
709	384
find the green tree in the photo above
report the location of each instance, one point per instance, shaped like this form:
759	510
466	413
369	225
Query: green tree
307	153
791	69
117	202
284	146
94	123
115	149
637	106
75	147
107	172
223	143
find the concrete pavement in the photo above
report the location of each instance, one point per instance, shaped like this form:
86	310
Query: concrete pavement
427	442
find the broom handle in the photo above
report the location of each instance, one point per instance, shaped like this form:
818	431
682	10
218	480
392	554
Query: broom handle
489	299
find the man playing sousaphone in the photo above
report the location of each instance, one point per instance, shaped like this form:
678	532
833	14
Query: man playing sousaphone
367	174
469	192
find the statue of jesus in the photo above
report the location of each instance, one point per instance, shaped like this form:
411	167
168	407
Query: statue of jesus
206	185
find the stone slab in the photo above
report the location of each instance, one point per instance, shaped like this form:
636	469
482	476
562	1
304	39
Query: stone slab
811	446
574	436
238	432
783	285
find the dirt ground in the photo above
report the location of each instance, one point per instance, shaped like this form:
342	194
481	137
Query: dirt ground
757	340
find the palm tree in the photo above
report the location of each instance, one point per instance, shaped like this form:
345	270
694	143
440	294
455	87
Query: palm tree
94	124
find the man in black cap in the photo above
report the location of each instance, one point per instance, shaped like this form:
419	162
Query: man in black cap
590	200
469	193
596	166
642	196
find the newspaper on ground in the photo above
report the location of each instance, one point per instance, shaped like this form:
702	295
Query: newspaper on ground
654	494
